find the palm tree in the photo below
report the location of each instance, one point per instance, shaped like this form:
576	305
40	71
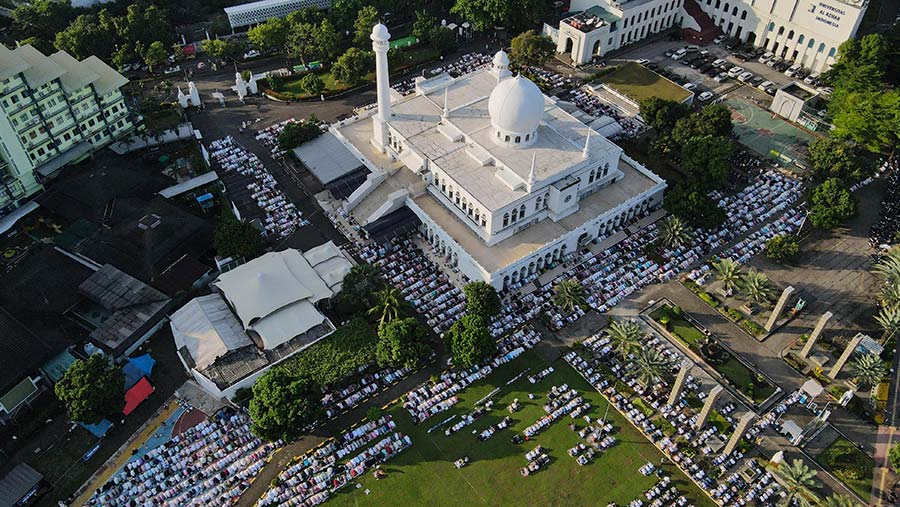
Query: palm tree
890	294
625	336
569	295
728	272
756	286
889	319
889	265
839	501
798	479
868	369
672	232
651	364
387	304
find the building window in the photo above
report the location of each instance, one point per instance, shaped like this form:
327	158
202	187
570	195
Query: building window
592	176
791	35
518	139
831	52
800	39
744	14
780	30
537	204
821	47
483	222
546	200
522	211
506	139
771	26
505	219
515	215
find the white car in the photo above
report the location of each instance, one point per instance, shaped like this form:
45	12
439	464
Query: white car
735	71
718	63
745	76
721	76
689	86
642	61
766	57
678	55
703	97
812	78
720	39
251	54
765	84
793	70
692	48
172	70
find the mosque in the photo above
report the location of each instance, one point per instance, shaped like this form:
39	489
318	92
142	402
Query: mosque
494	174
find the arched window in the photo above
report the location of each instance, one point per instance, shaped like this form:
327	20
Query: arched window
522	211
800	39
780	30
771	26
505	219
506	139
515	215
734	11
791	35
592	176
831	52
537	204
821	47
518	139
744	14
718	4
606	169
451	194
527	136
546	200
812	42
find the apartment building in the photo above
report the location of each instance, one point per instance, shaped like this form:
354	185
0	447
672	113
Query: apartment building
56	111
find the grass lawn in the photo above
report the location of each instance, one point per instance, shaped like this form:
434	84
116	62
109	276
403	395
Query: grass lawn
639	82
424	474
741	376
852	466
337	356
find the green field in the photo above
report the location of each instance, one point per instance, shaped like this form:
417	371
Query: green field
424	474
638	82
852	466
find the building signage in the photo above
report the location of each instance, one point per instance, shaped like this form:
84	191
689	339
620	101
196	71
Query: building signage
827	14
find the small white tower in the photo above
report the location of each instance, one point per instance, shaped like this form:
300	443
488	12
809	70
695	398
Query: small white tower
500	65
194	94
380	45
182	99
253	87
240	85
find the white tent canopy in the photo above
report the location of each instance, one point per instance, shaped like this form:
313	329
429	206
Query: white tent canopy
208	330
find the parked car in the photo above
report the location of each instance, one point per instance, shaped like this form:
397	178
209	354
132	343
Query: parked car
652	66
642	61
718	63
175	69
771	90
720	39
792	70
801	74
726	66
678	55
703	97
766	57
745	76
251	54
744	57
704	52
755	81
735	71
812	78
711	71
772	61
692	48
721	76
765	84
781	66
689	86
669	53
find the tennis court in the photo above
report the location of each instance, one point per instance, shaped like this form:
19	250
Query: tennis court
768	135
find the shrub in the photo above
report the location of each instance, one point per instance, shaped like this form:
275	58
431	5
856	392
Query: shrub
336	357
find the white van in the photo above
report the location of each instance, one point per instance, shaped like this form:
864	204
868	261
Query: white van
793	69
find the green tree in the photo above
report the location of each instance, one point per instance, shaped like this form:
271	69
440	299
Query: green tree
835	158
219	26
514	15
799	480
441	38
311	15
296	133
839	501
663	114
756	286
894	457
423	25
482	300
366	18
717	117
401	343
283	405
86	36
351	66
270	36
569	295
690	202
155	55
867	117
388	302
42	18
530	49
625	336
312	84
712	120
782	247
224	48
672	232
888	317
358	286
830	204
708	159
868	370
728	272
41	45
470	342
328	40
303	41
652	365
92	389
236	239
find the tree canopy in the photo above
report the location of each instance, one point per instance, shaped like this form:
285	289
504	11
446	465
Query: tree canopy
830	204
782	247
482	300
352	66
237	239
366	18
312	84
662	114
423	25
530	49
401	343
470	342
92	389
271	35
689	201
836	158
155	55
514	15
231	49
708	159
297	133
358	288
283	405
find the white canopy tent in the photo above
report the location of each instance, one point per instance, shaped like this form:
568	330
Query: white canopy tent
208	330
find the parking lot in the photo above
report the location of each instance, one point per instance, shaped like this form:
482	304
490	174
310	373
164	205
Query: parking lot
682	73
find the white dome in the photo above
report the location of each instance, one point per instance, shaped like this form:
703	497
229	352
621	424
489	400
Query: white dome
501	59
380	33
516	106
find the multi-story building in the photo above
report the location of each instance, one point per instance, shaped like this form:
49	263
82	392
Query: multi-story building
56	111
254	13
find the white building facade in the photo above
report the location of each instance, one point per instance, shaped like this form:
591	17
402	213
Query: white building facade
254	13
503	181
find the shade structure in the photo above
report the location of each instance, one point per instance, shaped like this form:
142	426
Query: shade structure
137	367
137	394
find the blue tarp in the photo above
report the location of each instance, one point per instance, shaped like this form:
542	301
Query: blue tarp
137	367
98	429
